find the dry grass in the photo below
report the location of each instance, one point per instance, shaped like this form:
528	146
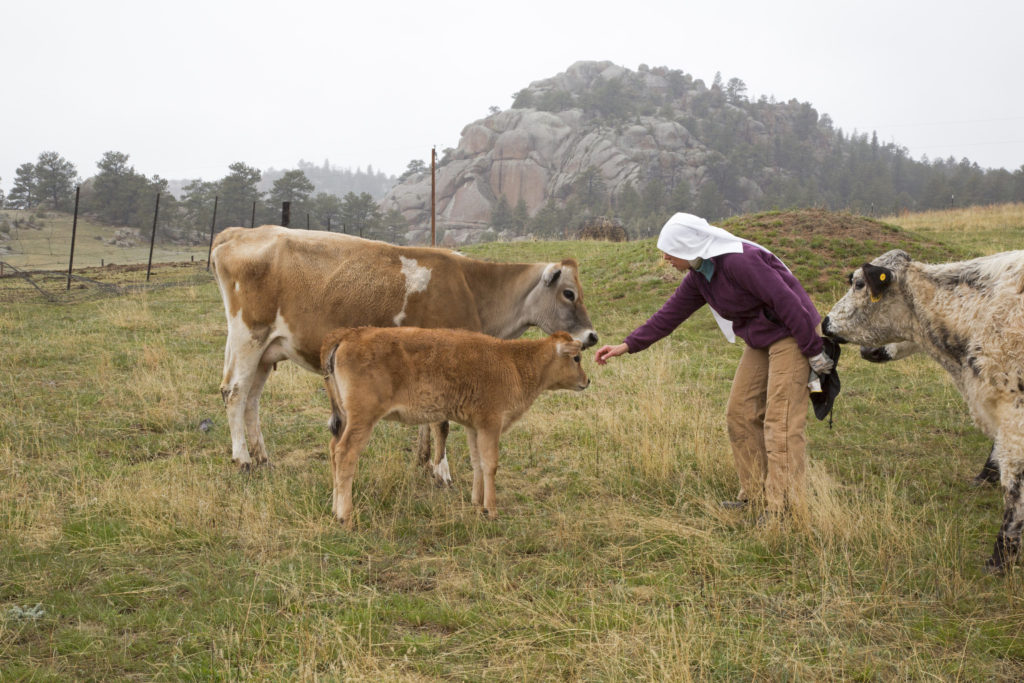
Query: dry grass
978	229
154	559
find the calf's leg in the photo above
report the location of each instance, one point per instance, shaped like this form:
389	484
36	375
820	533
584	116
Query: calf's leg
474	460
487	445
345	452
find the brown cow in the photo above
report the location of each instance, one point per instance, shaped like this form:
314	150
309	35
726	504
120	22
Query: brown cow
422	376
284	290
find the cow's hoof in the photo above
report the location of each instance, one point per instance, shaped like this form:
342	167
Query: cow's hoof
981	480
243	467
994	567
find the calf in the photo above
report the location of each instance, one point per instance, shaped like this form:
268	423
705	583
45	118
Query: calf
422	376
969	317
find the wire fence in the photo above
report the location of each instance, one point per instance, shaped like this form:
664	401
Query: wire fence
67	258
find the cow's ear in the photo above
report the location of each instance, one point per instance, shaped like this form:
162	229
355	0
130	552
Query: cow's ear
878	279
551	274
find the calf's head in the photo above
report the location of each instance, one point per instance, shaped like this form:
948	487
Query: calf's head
565	371
556	303
874	310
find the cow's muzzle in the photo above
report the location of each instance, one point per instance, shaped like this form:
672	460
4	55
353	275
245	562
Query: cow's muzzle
588	339
826	329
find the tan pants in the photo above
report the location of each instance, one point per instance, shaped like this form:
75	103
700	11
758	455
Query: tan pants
766	417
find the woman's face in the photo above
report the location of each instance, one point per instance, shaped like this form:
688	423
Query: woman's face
682	265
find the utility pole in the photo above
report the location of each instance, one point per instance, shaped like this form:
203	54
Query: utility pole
433	196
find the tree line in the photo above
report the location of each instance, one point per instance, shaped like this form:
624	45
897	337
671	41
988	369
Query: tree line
121	196
761	155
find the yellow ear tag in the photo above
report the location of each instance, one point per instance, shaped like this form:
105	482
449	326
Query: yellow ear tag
882	277
875	299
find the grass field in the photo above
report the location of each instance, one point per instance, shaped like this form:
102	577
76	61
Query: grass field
130	547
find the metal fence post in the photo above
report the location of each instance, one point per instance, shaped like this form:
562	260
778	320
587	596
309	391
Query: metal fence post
74	230
286	213
152	238
213	225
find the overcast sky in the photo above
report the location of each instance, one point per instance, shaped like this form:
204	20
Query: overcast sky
187	88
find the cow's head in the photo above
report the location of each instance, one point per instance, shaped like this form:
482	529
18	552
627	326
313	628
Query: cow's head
556	303
566	368
874	310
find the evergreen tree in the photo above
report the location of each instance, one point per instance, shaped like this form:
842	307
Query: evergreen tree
121	196
55	179
591	190
501	215
23	193
197	202
238	192
520	217
292	187
360	214
326	210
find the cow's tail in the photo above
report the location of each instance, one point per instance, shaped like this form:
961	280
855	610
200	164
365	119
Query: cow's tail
335	424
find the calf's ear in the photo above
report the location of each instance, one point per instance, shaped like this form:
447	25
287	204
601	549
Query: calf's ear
878	279
569	348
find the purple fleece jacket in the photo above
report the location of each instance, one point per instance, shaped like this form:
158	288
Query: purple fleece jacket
754	290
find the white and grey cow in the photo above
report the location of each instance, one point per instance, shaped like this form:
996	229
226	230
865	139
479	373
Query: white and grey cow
989	473
969	317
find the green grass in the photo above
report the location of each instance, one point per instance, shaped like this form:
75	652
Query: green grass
153	558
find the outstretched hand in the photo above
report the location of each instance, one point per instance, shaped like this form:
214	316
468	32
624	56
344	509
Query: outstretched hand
606	352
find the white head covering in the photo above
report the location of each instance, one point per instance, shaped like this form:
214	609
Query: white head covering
690	237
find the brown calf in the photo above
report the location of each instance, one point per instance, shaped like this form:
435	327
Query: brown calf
421	376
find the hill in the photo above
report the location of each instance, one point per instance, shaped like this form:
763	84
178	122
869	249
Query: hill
600	138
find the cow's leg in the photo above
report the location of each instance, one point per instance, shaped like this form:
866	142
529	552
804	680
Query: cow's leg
487	445
423	446
989	471
440	471
1011	470
438	433
474	460
253	431
240	369
345	452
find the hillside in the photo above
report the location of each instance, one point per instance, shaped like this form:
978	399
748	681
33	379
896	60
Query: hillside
602	139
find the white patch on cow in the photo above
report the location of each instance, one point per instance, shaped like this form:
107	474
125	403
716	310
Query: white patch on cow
441	470
238	286
417	278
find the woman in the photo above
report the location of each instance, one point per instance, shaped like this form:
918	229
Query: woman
754	295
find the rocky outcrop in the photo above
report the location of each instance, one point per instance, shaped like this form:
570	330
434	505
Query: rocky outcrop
596	115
